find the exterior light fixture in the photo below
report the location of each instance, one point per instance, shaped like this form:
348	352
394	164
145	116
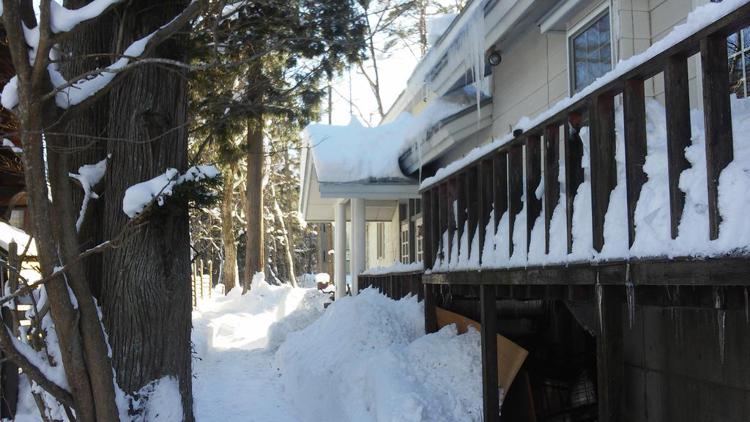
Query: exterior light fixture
494	58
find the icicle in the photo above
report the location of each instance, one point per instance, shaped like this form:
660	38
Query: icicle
721	317
598	288
747	308
630	293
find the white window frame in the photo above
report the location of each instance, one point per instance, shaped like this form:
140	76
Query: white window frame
742	52
581	26
403	243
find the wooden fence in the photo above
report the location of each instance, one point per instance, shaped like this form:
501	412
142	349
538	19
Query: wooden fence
202	279
395	285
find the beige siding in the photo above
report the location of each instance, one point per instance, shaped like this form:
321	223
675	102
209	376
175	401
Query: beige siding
534	72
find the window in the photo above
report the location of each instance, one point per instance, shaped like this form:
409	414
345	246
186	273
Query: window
405	244
738	50
591	52
419	229
17	217
381	240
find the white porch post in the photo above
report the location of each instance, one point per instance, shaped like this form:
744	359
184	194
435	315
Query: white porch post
358	241
339	249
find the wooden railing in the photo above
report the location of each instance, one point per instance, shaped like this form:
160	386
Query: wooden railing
495	181
394	285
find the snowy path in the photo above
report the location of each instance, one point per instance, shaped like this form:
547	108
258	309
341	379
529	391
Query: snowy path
274	355
247	392
235	340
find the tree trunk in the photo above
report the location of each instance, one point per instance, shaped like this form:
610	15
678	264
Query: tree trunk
287	243
61	308
229	266
146	288
254	250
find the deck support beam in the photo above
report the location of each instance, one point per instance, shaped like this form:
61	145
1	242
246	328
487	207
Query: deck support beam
490	391
609	354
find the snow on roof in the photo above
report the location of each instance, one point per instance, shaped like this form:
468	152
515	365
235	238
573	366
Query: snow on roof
698	19
10	234
355	153
437	25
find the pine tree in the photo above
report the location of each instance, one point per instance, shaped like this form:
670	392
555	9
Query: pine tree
268	59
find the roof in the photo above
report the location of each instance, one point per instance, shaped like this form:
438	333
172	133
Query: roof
10	234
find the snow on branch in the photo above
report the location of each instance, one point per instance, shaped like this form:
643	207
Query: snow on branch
68	94
63	19
140	196
34	367
89	175
88	87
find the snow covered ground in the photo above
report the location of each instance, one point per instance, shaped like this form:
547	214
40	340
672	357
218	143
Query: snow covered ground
276	355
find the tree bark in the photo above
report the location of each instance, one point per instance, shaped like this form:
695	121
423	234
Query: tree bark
254	250
229	266
146	288
287	243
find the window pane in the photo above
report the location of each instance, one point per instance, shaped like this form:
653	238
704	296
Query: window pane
592	53
733	44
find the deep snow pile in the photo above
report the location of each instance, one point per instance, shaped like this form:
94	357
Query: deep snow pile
235	337
367	359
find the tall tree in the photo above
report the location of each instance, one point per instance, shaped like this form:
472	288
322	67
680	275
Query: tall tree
283	50
46	95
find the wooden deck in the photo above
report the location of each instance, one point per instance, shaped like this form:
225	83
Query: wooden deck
494	184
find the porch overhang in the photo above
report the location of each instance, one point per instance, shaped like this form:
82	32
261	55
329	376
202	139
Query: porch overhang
317	199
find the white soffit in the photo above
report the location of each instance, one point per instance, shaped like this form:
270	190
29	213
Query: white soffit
556	19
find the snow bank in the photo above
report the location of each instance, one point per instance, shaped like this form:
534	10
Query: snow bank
367	359
311	280
235	337
224	322
355	153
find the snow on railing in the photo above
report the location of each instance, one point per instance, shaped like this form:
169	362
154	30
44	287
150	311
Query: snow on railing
631	181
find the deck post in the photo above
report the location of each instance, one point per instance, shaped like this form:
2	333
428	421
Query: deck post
357	262
551	155
634	112
515	191
609	354
490	382
430	313
573	171
717	114
678	133
603	166
339	249
533	178
499	188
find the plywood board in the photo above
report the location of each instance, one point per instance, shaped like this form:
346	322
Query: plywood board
510	356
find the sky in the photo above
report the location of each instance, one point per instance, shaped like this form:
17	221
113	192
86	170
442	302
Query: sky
394	71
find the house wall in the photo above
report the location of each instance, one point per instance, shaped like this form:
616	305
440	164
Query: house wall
534	73
391	250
